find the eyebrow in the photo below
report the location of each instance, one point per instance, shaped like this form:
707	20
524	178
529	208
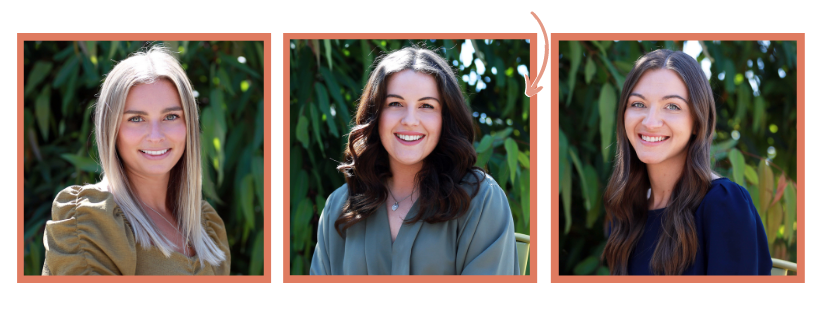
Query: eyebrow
421	99
169	109
663	98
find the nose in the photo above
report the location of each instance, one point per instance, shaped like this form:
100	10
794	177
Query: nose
155	133
410	118
653	119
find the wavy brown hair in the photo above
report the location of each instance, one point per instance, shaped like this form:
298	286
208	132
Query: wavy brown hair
625	197
366	165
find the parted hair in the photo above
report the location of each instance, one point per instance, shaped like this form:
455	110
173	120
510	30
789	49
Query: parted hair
184	196
625	197
366	165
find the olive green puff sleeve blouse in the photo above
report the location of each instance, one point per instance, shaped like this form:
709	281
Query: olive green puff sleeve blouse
89	235
482	242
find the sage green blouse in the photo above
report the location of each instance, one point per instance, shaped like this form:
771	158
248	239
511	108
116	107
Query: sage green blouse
89	235
482	242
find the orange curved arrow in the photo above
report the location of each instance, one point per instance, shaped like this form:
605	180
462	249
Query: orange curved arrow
533	88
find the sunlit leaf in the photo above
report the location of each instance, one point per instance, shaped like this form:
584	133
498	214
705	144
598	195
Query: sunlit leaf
738	166
324	106
524	160
781	187
774	218
486	142
791	212
483	158
750	174
766	179
246	200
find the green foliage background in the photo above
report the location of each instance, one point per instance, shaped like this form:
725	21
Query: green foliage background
62	81
327	78
755	88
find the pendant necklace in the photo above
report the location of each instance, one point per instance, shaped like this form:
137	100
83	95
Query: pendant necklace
396	204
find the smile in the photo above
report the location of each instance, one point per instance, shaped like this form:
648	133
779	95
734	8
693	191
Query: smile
409	138
155	153
654	138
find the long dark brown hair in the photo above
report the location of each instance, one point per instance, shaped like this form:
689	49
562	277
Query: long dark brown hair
625	197
366	165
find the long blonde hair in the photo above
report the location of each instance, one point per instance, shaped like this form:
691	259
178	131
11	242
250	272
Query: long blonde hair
185	184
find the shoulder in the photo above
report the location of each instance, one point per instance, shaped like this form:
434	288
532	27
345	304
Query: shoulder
490	197
215	227
727	201
87	203
335	201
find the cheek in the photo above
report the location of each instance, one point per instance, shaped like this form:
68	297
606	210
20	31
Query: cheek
177	133
128	136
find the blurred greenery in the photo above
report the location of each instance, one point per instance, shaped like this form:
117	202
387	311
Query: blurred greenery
755	88
62	82
326	81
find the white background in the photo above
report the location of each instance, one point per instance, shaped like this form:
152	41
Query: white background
404	17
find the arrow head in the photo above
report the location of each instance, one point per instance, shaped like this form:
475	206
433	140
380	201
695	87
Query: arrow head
530	90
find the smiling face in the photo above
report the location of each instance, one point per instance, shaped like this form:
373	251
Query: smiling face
410	120
658	117
152	133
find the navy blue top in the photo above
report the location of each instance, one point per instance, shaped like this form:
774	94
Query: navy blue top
731	237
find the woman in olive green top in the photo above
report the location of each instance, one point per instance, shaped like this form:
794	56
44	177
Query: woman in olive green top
414	203
146	216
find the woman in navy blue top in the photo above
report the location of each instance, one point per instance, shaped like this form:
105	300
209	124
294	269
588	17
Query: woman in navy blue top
667	212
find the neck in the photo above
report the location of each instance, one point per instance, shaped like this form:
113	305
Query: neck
150	190
662	179
404	176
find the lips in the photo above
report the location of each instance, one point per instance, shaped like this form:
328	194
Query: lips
652	139
409	138
155	152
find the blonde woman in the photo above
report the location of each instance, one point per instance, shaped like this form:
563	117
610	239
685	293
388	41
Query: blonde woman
146	216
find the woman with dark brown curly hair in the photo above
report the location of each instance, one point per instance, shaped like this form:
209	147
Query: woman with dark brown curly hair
414	203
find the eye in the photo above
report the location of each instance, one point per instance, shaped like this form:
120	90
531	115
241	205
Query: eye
637	105
673	107
135	119
394	104
172	117
425	105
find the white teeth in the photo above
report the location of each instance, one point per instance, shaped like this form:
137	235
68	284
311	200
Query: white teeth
155	153
653	139
409	137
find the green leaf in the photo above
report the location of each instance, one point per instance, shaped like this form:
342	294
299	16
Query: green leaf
738	166
587	266
750	175
42	110
302	131
324	106
602	270
483	158
766	179
225	81
258	170
314	121
65	71
524	193
606	109
298	187
486	142
575	62
39	72
328	55
512	157
589	69
524	160
565	178
81	162
791	212
759	114
585	185
619	79
258	254
246	200
591	179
